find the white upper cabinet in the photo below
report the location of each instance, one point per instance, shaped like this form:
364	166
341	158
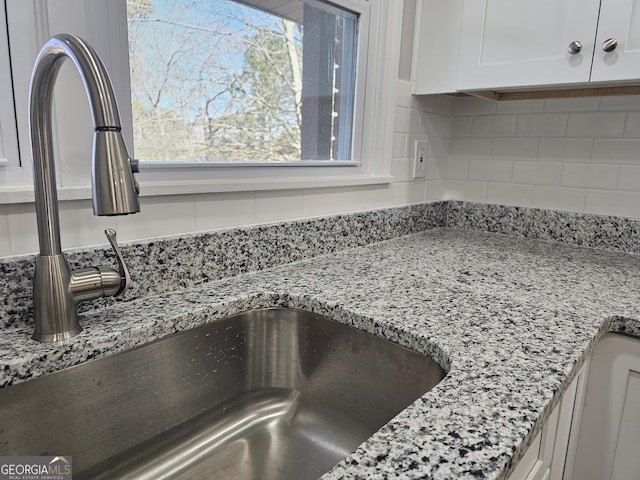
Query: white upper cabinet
434	64
619	25
507	43
466	45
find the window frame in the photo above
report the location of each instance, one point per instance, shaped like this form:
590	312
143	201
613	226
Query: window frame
9	152
374	115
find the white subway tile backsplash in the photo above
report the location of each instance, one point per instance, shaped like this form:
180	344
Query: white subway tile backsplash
559	198
461	126
439	147
565	149
598	124
434	124
322	201
5	242
515	148
23	232
576	104
224	210
410	147
400	193
490	169
608	202
434	190
620	102
529	152
466	190
436	169
457	168
159	217
616	151
629	178
542	125
402	169
560	151
403	120
357	198
414	121
274	206
537	173
520	106
387	195
399	145
493	126
80	227
510	194
632	128
415	192
590	175
470	147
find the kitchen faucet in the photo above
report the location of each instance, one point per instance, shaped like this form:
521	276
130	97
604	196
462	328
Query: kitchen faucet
56	289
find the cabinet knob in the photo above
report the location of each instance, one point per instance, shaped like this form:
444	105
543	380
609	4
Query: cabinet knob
575	47
609	45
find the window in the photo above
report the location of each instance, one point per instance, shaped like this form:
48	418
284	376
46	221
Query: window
242	80
347	141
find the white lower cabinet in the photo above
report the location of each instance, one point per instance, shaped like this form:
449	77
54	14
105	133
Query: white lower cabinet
546	457
594	432
608	446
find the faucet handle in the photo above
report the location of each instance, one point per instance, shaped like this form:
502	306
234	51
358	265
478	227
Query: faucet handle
125	281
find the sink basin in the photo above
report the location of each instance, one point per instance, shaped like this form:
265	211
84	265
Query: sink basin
266	394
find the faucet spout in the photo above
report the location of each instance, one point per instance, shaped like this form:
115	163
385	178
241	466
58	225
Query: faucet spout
57	290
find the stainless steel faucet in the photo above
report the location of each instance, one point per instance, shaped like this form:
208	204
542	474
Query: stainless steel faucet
56	289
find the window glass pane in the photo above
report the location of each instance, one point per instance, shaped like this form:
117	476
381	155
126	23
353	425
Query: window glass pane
242	80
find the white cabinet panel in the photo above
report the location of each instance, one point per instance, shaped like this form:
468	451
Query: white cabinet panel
435	48
528	462
506	43
610	426
563	430
626	460
546	457
619	20
8	135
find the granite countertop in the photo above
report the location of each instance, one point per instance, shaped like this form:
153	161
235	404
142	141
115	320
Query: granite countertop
511	320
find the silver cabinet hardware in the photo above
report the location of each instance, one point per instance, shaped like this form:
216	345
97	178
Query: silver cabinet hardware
609	45
575	47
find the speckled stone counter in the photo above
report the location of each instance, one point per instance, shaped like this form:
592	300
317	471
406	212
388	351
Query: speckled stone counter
510	319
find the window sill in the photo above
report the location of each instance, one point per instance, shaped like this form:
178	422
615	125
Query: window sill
24	193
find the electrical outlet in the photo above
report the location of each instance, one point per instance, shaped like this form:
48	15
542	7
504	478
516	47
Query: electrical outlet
420	159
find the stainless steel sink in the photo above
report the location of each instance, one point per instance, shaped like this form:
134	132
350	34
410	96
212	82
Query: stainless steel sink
266	394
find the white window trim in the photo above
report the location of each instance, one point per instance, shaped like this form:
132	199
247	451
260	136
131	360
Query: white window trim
9	153
376	114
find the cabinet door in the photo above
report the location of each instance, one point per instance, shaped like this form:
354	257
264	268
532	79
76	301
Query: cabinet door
546	457
434	66
517	43
610	426
620	21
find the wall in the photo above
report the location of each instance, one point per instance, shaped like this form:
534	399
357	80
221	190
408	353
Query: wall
580	154
178	214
